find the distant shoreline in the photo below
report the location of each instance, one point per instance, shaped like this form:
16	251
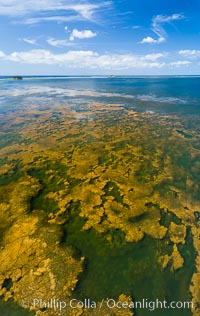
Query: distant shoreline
112	77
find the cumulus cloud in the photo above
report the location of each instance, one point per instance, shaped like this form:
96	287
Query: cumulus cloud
88	59
191	53
81	34
42	56
58	42
1	54
154	56
157	27
180	63
151	40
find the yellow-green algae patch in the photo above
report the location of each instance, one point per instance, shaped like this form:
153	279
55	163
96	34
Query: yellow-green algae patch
121	174
31	255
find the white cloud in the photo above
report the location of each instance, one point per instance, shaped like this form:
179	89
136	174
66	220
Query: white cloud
92	60
158	20
42	56
154	56
180	63
81	34
55	18
158	29
151	40
30	41
58	42
18	7
191	53
136	27
88	59
85	10
1	54
36	11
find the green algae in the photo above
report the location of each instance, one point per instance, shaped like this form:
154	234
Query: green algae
111	189
118	266
168	217
98	189
10	308
9	139
14	174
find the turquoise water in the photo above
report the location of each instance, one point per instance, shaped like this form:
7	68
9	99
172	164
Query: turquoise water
164	95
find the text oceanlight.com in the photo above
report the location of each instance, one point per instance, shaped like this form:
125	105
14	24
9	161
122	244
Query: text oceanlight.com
110	303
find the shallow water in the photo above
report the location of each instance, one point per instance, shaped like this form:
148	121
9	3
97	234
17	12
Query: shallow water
164	95
116	267
12	309
120	267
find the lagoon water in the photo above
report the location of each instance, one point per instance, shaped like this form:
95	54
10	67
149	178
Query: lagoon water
164	95
123	266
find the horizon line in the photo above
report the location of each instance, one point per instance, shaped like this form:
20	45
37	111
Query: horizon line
104	75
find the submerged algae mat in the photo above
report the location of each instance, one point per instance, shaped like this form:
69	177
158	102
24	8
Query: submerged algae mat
130	268
96	204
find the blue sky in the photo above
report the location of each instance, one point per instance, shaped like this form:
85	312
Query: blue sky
133	37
